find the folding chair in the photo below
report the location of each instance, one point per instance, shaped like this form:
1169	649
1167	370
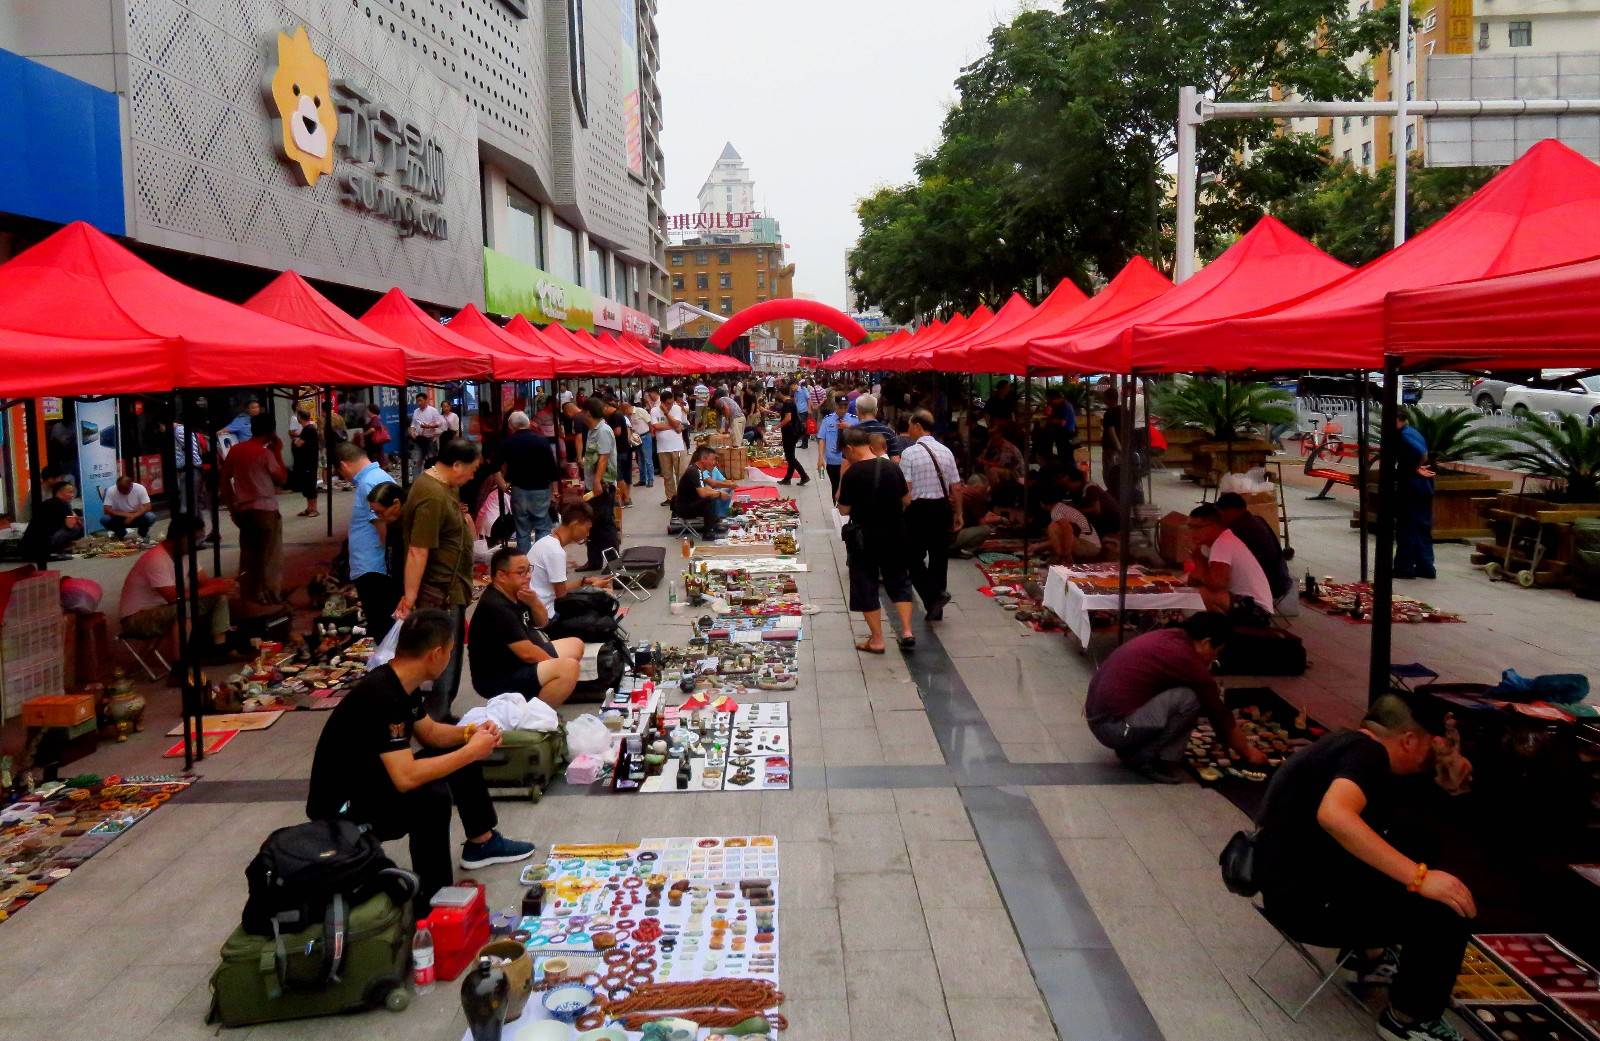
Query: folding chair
613	564
693	527
152	647
1325	974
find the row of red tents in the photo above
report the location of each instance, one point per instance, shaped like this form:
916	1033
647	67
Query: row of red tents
1506	279
82	315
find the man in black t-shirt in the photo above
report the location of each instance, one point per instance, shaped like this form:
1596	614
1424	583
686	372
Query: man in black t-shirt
365	770
1329	876
696	499
507	651
873	495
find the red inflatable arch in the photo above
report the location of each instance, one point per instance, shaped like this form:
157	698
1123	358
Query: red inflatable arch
773	310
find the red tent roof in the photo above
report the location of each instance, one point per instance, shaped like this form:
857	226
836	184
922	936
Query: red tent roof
1270	264
914	353
1013	351
83	315
290	298
1537	319
1540	210
1016	311
514	358
567	357
399	318
597	358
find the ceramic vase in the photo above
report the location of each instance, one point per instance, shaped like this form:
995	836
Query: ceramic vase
513	960
485	994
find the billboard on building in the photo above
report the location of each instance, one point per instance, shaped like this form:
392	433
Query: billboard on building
512	287
63	141
1501	140
632	107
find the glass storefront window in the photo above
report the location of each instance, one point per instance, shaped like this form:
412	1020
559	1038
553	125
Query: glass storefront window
619	281
564	252
524	232
597	281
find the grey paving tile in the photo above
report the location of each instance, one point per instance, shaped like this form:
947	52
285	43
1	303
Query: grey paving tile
1072	813
856	746
797	817
880	913
816	1019
903	728
952	875
932	813
868	842
988	1018
895	996
813	955
876	799
808	878
978	954
1091	997
1111	873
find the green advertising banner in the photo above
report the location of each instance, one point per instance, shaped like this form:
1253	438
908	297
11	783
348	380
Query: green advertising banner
512	287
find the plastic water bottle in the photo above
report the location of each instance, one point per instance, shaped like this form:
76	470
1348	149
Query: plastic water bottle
422	971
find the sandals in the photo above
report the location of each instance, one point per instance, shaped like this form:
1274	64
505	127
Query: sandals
867	648
907	642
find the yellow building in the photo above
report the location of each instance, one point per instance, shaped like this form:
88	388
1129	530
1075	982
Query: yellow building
725	278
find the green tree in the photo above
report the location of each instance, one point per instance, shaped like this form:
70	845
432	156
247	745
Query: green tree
1050	163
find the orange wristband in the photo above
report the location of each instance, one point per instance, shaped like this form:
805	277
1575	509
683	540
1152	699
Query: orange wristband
1416	883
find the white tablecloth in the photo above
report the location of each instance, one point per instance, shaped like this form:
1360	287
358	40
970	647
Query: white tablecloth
1073	605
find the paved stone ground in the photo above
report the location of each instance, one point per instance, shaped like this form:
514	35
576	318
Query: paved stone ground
960	859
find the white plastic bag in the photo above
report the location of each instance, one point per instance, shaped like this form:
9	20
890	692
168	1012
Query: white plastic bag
536	715
384	652
586	735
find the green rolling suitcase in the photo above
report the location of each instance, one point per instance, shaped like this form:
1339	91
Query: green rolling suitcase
527	759
263	979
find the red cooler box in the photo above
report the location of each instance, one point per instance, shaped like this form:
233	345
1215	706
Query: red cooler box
459	922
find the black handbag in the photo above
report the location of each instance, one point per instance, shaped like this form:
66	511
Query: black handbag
1238	863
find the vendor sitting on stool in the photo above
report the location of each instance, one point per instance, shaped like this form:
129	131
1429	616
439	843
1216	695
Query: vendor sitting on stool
1150	692
55	526
697	499
149	604
1264	545
1230	579
505	646
365	770
1329	874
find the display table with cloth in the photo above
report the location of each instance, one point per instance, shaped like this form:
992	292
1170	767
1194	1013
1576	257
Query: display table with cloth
1073	592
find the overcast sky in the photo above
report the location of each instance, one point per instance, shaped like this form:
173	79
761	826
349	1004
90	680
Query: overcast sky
826	100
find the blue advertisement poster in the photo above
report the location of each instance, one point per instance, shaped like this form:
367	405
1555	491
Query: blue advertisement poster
97	458
389	410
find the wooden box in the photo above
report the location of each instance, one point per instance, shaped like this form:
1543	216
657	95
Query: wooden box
733	462
57	710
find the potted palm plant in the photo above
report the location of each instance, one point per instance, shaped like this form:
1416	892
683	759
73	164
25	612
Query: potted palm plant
1564	456
1232	419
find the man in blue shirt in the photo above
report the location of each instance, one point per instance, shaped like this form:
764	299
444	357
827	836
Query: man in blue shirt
369	568
802	403
830	439
1413	537
240	427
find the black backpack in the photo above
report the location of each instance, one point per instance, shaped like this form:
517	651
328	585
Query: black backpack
317	872
588	613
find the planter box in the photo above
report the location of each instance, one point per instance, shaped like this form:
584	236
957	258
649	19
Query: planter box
1457	498
1531	517
1211	459
1180	446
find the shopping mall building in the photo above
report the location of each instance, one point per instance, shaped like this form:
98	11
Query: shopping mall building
498	152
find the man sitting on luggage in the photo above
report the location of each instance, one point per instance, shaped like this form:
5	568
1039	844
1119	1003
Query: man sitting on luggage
505	645
696	498
1261	540
1330	875
1230	579
548	560
365	769
1150	692
148	607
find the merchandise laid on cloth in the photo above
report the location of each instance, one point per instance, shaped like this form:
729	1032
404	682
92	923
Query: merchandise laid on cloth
1270	725
109	547
1086	597
742	595
313	676
47	834
1526	986
661	940
1353	602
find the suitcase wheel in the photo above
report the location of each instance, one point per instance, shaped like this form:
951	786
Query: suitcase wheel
535	792
390	992
397	1000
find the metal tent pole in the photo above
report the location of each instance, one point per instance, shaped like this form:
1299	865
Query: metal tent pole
327	449
1125	484
30	437
211	475
1363	459
191	685
405	439
1383	571
1027	470
171	475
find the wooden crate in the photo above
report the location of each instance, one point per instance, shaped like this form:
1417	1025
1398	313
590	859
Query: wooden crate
733	461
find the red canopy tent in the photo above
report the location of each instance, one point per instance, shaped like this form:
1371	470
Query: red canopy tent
599	358
83	315
651	363
915	353
568	357
1268	265
1013	351
514	358
1537	319
1540	210
1011	315
400	319
290	298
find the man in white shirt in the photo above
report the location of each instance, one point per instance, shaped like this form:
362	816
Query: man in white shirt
933	512
427	423
669	423
1071	536
548	558
1229	576
702	396
149	604
129	504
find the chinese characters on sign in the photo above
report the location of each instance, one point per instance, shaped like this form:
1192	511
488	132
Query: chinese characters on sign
711	221
397	171
1458	27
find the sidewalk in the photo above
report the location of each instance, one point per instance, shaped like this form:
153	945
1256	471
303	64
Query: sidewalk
960	859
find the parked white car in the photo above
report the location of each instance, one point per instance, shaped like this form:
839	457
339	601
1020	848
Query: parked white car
1566	395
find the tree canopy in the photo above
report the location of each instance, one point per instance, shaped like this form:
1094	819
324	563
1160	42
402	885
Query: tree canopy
1052	162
